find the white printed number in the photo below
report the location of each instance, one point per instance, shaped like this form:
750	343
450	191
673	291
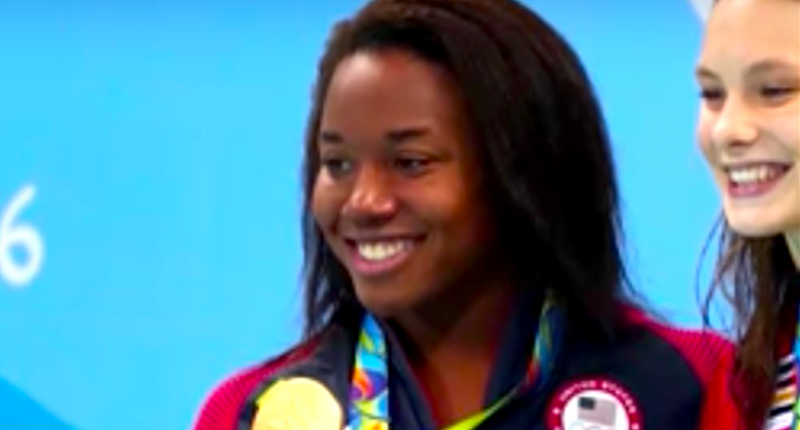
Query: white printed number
18	237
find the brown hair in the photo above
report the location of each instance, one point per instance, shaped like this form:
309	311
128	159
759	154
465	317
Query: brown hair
538	123
753	276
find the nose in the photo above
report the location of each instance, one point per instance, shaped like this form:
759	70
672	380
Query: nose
735	126
371	200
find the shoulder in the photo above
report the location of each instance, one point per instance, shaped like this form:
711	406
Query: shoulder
711	357
222	407
705	351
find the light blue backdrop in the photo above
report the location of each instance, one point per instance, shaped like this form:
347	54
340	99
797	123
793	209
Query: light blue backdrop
149	192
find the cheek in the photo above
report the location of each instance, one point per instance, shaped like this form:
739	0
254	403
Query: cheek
703	134
326	201
468	214
788	130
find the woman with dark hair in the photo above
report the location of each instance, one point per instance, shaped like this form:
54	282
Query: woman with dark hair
749	132
463	245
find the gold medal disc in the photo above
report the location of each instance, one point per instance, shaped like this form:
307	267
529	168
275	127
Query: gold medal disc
298	404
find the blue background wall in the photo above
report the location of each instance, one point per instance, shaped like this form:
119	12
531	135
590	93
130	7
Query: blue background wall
159	144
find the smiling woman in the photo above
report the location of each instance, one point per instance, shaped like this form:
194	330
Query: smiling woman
749	132
463	245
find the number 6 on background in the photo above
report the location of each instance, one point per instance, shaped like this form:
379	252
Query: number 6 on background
20	235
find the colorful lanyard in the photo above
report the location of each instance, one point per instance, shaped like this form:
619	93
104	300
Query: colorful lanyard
369	389
796	414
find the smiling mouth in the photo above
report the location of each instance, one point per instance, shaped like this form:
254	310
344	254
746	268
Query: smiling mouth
382	250
380	256
755	179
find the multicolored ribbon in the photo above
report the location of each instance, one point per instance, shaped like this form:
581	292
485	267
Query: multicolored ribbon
784	413
369	389
796	408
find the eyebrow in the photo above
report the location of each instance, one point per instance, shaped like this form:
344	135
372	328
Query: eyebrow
396	136
326	136
703	72
770	65
403	135
759	68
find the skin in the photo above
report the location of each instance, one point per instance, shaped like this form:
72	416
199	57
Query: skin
749	72
397	166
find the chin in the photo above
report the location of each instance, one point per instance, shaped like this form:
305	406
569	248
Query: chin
755	227
380	302
754	232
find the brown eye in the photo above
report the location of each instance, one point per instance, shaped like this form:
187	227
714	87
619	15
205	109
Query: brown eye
711	94
411	165
336	166
712	97
776	92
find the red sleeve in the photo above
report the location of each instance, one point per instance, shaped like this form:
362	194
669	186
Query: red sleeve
720	411
221	409
711	358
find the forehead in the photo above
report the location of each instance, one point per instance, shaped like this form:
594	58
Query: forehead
393	81
740	32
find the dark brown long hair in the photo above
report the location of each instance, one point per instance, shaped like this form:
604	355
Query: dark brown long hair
542	143
753	275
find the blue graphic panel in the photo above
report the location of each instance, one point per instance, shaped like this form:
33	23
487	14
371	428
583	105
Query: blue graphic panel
149	193
20	412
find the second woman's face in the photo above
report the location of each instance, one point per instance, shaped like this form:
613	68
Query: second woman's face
749	123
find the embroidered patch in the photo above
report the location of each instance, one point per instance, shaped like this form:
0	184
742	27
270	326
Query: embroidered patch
593	404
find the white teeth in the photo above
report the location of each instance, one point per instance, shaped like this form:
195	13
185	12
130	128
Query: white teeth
376	251
755	174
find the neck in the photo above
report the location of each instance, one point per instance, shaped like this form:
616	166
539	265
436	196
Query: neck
793	241
452	346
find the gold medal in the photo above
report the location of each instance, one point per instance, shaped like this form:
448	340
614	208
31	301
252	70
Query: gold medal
298	404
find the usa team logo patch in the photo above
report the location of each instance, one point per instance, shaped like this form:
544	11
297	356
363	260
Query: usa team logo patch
593	404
